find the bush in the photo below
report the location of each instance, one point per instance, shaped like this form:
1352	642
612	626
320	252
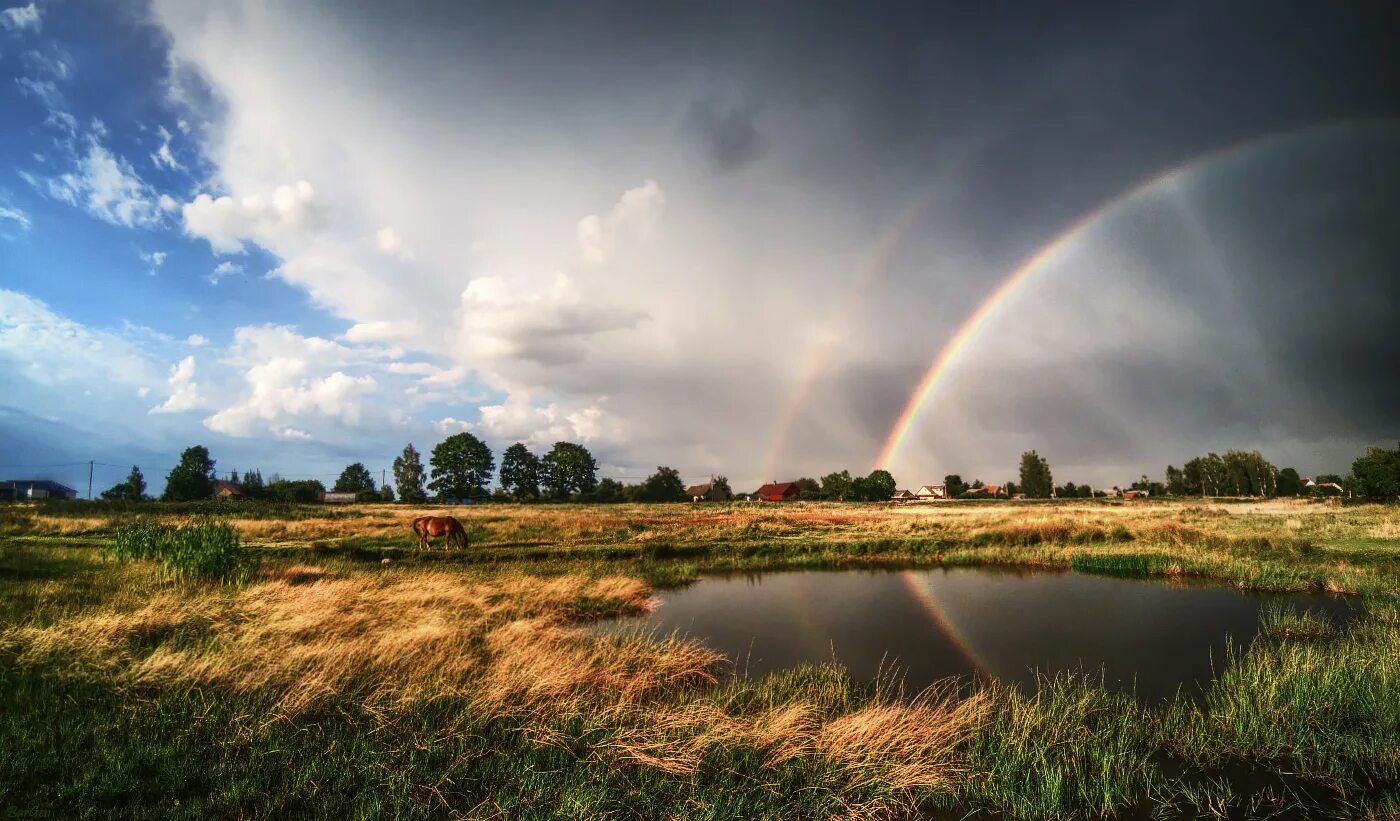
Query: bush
203	550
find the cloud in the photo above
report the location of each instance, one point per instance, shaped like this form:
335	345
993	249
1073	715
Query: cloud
19	18
223	270
389	240
729	137
163	157
637	213
184	392
13	215
380	331
153	260
107	187
196	340
290	377
227	222
517	419
551	326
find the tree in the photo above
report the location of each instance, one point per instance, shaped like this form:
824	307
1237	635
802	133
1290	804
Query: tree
386	493
1376	475
408	475
253	486
301	490
233	477
193	478
1176	481
721	488
955	485
462	465
610	491
132	490
664	485
1289	483
520	472
1068	491
879	486
837	487
808	488
1036	481
357	480
568	468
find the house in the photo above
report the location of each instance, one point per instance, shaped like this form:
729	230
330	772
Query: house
333	498
778	492
992	490
709	492
1323	488
931	492
35	489
227	490
1134	494
903	496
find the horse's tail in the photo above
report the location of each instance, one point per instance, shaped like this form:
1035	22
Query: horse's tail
459	533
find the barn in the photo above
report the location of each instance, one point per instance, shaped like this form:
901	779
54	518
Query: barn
35	489
778	492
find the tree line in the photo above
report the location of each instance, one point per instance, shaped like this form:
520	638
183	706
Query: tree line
461	467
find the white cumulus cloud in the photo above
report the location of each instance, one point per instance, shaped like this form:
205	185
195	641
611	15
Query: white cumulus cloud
227	222
21	17
184	391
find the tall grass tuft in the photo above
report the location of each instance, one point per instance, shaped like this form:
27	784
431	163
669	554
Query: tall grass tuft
204	550
1117	564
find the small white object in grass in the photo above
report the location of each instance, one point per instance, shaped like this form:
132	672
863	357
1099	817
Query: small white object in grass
386	560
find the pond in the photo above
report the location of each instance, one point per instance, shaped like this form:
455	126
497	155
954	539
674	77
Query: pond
1148	637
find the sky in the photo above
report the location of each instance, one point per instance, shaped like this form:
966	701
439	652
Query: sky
763	240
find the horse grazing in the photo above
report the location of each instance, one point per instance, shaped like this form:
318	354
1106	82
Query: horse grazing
427	527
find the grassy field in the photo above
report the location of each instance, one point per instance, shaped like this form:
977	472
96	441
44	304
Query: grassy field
353	676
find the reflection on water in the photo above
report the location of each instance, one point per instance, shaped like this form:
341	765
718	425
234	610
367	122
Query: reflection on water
1148	637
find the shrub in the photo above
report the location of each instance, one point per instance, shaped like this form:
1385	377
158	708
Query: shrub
203	550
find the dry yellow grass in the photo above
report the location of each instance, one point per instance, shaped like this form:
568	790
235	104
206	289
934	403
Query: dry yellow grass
307	637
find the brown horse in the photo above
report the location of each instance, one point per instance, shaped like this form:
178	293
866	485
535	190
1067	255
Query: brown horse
427	527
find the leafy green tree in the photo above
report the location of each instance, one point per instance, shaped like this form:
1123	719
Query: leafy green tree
520	472
1036	481
386	493
132	490
955	485
721	488
1289	483
192	478
253	486
1376	475
879	486
233	477
838	487
1176	481
664	485
461	467
610	491
1067	491
356	479
809	488
568	468
408	475
304	491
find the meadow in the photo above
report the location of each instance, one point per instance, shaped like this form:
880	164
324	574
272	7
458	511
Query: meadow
340	672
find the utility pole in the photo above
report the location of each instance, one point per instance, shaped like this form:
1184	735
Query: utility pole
90	479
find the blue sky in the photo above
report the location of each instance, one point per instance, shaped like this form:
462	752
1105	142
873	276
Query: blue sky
730	240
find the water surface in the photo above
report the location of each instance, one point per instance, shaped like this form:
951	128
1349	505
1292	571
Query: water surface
1148	637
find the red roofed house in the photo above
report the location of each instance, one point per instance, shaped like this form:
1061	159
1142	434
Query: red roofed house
777	492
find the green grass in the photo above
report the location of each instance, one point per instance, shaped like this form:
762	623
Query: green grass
1304	722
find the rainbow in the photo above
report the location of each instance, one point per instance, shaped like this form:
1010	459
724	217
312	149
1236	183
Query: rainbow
963	336
818	353
926	600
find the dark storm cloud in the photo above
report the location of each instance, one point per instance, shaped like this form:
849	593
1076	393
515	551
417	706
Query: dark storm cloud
1014	120
728	136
